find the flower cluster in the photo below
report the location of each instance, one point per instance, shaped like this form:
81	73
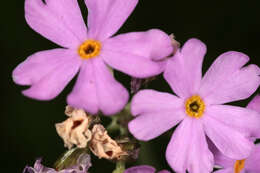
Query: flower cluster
209	132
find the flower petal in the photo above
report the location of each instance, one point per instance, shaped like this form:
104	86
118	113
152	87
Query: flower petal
111	94
220	159
150	125
84	93
58	20
254	104
133	53
152	44
153	101
227	170
38	65
164	171
48	72
97	89
133	65
250	164
105	17
228	140
227	80
159	111
244	120
140	169
188	148
183	71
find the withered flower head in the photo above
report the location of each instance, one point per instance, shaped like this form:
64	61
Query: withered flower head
103	146
75	130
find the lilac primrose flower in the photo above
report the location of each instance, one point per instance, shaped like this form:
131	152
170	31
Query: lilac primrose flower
198	108
247	165
83	164
89	50
143	169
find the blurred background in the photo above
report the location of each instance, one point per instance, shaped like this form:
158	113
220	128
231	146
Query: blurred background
27	125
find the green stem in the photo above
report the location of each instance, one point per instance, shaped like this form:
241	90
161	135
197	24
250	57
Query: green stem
113	126
123	131
120	167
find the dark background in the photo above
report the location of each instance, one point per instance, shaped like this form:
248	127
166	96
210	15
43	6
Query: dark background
27	126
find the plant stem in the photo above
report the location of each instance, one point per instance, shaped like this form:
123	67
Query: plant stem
120	167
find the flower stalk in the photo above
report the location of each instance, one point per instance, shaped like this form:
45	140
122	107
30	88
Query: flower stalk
120	167
119	122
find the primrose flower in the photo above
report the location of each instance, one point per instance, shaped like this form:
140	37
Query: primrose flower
198	108
143	169
88	50
246	165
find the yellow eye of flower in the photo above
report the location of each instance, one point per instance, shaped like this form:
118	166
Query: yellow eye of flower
89	49
194	106
239	166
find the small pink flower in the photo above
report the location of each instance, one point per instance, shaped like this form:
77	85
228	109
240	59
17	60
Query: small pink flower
143	169
90	50
198	108
246	165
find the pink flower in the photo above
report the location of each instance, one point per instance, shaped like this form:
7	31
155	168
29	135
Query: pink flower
249	164
89	50
143	169
198	108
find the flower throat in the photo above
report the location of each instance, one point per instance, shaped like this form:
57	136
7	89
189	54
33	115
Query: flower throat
239	166
89	49
194	106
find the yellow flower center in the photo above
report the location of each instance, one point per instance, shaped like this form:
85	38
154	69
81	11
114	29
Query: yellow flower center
195	106
239	166
89	49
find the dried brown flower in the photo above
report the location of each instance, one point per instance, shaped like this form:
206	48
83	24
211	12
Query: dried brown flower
75	130
103	146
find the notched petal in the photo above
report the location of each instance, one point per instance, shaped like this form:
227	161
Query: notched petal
60	21
228	80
